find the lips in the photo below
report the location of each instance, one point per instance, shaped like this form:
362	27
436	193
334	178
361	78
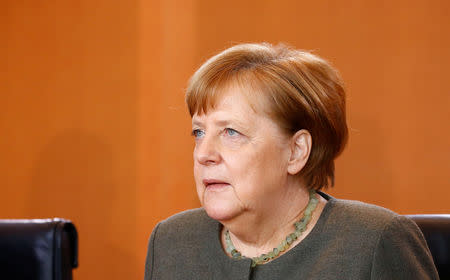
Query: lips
214	183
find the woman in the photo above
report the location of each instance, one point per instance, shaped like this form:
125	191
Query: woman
268	122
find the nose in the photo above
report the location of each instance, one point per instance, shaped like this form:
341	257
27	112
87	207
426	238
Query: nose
207	152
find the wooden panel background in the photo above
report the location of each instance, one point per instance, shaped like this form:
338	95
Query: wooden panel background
94	128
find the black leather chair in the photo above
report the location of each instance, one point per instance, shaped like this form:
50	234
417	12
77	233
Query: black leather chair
40	249
436	229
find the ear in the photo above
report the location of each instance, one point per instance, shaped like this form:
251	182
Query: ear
301	144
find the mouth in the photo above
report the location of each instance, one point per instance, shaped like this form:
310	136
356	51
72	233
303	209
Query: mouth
214	184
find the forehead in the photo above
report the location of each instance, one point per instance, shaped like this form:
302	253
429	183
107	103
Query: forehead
230	95
233	109
232	104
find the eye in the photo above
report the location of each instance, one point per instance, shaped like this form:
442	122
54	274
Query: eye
231	132
198	133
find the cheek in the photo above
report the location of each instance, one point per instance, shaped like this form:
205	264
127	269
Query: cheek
197	175
266	166
249	170
200	189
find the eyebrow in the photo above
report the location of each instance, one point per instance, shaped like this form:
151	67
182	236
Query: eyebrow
194	122
220	122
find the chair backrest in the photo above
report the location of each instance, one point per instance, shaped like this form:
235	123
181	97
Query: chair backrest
38	249
436	229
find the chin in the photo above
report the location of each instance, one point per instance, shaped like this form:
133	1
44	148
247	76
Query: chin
221	211
220	204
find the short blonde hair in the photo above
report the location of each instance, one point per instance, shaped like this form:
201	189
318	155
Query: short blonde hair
297	89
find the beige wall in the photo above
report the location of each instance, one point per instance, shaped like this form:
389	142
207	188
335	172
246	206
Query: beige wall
93	125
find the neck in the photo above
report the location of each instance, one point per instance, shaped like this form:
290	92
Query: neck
258	231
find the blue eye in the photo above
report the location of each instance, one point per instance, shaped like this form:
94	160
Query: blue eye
198	133
231	132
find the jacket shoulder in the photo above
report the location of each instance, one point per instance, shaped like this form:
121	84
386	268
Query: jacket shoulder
187	224
175	243
362	217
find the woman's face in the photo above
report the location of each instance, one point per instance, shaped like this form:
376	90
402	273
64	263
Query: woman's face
240	158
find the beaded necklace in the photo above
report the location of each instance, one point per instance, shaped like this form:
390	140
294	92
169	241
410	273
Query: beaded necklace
299	226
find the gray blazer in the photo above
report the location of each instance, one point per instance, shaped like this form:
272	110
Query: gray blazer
351	240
